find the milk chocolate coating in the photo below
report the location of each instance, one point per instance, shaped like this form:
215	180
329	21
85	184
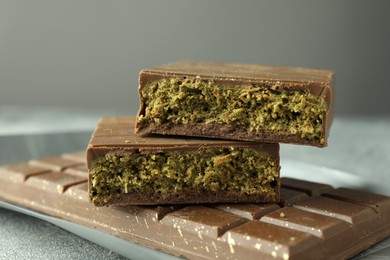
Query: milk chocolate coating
115	135
313	221
317	82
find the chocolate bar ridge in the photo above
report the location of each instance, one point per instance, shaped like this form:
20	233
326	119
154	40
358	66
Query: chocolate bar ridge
257	88
125	168
312	221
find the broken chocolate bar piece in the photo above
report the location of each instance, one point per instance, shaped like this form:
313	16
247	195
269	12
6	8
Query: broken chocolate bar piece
125	168
237	102
319	222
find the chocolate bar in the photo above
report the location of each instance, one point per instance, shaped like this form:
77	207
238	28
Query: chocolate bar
313	221
125	168
237	102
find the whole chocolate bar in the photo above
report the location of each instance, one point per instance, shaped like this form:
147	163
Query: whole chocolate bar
125	168
237	101
312	221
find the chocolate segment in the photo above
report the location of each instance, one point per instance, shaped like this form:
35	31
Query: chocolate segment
125	168
249	211
310	188
328	224
237	102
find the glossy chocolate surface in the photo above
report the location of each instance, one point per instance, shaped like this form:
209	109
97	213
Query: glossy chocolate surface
313	221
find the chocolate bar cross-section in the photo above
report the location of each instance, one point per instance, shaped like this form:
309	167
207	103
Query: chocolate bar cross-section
237	101
125	168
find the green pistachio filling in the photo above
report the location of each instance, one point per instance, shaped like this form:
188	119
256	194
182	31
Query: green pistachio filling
185	101
241	170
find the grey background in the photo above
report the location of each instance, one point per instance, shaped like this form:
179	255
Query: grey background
85	55
88	53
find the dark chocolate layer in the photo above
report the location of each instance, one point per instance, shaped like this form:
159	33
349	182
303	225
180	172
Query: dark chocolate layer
125	168
313	221
237	102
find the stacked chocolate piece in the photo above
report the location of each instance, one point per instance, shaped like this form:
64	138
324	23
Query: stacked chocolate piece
208	133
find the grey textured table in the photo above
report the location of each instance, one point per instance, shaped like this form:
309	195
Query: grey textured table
360	146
